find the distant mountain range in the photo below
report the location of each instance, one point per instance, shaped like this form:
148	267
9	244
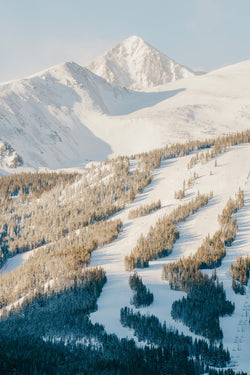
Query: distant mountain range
137	65
68	115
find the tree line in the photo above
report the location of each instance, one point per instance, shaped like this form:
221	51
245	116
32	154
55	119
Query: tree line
222	144
57	265
149	329
65	204
52	335
69	217
205	303
141	295
144	210
153	159
102	191
240	272
161	238
206	299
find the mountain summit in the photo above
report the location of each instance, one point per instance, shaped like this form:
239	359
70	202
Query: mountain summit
137	65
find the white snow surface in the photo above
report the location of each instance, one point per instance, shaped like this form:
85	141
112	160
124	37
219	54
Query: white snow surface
17	260
39	115
67	116
232	172
137	65
197	108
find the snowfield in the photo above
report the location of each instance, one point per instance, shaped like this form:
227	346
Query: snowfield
17	260
232	171
67	116
225	180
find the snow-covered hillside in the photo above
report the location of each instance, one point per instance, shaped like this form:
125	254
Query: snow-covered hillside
137	65
224	180
224	177
66	115
47	117
37	115
197	108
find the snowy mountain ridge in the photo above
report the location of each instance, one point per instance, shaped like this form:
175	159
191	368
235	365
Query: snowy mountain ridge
137	65
39	115
66	115
76	77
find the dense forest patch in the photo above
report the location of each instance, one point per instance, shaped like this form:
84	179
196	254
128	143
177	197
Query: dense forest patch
161	238
144	210
142	296
206	298
240	274
69	214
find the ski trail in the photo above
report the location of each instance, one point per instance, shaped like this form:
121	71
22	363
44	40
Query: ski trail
236	328
224	182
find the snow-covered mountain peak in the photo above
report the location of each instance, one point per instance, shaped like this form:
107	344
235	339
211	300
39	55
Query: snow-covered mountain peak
69	73
132	43
67	114
137	65
133	39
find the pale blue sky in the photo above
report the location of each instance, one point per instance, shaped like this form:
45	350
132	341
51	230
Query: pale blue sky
201	34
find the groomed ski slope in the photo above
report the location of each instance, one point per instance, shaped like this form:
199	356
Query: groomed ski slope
231	173
17	260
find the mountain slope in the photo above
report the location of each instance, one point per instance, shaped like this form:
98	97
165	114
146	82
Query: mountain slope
136	65
39	115
231	172
67	115
47	117
201	107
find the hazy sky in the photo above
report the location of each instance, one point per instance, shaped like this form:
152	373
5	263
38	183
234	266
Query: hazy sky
201	34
